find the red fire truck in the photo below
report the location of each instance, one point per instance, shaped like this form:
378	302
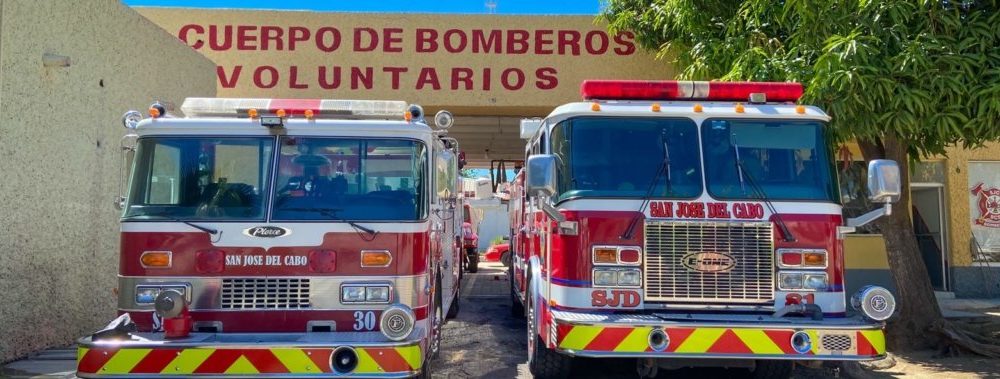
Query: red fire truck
282	238
689	224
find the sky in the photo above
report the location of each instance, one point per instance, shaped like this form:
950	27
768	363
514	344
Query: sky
511	7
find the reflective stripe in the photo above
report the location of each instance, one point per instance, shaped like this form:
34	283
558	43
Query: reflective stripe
700	340
579	337
295	360
241	366
366	364
876	338
758	341
187	361
124	361
412	355
637	340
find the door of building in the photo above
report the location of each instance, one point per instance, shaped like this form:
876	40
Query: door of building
929	224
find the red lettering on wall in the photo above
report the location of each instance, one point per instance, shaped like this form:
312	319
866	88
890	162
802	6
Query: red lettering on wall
391	38
625	44
298	34
661	209
245	39
395	71
718	210
518	76
569	40
329	81
517	41
362	78
270	81
597	42
272	34
231	81
461	74
293	78
487	78
546	78
327	39
480	43
428	76
427	40
450	43
691	210
543	38
365	44
213	37
186	29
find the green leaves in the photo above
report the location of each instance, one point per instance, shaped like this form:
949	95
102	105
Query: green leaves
926	72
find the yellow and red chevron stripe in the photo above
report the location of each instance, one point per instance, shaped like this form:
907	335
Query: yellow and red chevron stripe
714	341
96	361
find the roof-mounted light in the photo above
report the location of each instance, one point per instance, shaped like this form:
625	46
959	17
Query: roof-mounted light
530	126
689	90
292	108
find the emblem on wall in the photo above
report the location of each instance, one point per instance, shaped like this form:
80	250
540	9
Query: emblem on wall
988	200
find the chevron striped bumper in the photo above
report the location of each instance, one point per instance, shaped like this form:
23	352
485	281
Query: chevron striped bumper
243	355
716	336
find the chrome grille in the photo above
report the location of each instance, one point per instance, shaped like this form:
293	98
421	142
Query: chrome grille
836	342
750	244
265	293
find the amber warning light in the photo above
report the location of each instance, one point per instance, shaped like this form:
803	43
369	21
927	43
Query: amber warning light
688	90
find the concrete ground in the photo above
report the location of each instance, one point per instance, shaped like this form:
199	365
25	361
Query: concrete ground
485	341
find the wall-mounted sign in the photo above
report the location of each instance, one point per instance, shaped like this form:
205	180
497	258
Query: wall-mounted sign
984	207
432	59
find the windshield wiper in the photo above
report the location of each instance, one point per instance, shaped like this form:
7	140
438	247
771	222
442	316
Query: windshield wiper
786	234
332	213
171	217
663	167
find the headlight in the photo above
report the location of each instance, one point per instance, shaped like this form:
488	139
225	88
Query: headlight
377	293
629	278
146	293
797	281
397	322
605	277
352	294
815	281
610	277
789	280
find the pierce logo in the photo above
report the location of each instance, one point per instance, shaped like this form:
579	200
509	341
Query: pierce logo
708	262
988	201
267	231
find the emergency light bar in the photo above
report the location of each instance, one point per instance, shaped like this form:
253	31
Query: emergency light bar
687	90
306	108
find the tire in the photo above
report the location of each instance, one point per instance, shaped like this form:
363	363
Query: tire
544	363
473	260
505	258
437	324
772	369
516	307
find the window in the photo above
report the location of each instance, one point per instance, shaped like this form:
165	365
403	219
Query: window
200	178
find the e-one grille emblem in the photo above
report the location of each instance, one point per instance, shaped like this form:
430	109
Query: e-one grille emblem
708	262
267	231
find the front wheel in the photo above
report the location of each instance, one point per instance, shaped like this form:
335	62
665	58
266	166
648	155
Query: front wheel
544	363
473	260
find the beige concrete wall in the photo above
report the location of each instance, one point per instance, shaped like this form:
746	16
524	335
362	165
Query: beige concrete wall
59	138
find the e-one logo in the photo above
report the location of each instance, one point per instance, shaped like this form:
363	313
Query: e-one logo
708	262
267	231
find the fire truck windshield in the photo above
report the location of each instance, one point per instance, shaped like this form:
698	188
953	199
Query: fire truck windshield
362	179
200	178
788	160
620	157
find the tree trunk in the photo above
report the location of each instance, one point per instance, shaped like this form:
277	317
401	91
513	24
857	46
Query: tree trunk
917	308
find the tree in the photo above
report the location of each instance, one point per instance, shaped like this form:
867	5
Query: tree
904	78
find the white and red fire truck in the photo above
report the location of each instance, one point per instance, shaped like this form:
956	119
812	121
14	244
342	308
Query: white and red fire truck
689	223
283	238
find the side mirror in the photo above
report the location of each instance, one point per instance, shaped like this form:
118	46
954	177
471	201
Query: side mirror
883	181
128	145
541	180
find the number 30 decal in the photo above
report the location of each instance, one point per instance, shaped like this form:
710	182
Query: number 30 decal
364	320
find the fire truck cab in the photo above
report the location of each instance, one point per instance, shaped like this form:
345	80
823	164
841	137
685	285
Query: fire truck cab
689	224
282	238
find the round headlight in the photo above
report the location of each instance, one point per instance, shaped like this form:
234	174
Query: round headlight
874	302
443	119
131	119
397	322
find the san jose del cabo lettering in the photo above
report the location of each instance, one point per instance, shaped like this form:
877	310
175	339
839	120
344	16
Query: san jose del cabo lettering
266	260
710	210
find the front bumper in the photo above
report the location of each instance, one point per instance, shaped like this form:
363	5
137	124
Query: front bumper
148	355
716	336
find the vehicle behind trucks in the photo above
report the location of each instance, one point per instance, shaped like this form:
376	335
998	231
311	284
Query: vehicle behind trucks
689	224
282	238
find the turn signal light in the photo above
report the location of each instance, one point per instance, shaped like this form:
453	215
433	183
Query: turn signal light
606	255
375	258
814	259
630	256
156	259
